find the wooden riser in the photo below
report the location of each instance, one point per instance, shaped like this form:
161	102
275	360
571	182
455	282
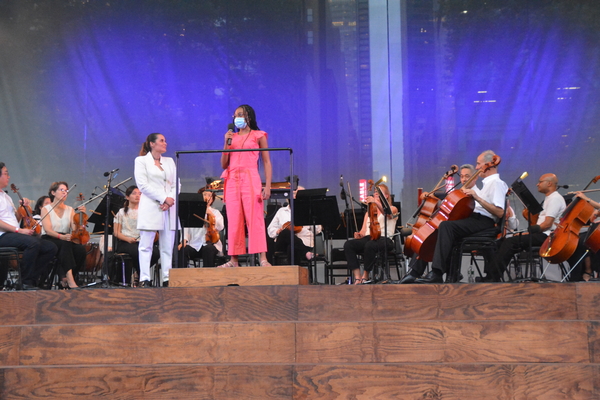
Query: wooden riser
241	276
479	341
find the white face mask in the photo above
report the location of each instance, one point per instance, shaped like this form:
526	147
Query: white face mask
240	123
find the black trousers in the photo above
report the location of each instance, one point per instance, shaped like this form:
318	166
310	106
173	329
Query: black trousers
71	256
509	247
37	255
284	244
369	248
450	232
208	252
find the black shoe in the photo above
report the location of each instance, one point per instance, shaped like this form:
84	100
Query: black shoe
145	284
433	277
408	279
166	284
25	286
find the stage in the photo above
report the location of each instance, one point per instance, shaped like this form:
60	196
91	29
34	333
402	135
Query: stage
451	341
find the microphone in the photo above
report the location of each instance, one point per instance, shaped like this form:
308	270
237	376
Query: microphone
406	231
230	128
111	172
342	180
563	186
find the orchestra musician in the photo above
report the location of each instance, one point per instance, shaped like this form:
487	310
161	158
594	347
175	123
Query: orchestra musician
552	208
243	192
303	239
57	226
585	268
489	208
362	242
155	177
198	242
126	231
416	265
37	253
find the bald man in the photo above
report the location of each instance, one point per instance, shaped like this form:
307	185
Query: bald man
553	207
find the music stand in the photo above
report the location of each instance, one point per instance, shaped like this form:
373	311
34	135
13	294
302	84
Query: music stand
192	207
533	206
313	207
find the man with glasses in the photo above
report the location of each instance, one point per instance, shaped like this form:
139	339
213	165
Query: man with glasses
37	253
553	207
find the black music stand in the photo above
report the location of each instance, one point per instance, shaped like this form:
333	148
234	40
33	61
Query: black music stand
533	206
103	218
192	208
313	207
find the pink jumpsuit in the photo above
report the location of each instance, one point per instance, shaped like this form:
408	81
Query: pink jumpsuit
243	198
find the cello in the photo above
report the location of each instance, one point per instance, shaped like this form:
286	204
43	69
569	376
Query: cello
426	210
457	205
374	226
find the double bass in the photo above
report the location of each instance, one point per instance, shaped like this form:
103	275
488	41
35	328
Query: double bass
428	207
457	205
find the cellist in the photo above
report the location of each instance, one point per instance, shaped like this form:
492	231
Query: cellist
489	208
195	241
591	262
552	208
362	242
416	265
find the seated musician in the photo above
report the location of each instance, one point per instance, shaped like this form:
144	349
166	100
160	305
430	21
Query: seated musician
362	242
489	208
416	265
303	240
196	242
586	262
37	254
127	233
39	204
552	208
57	227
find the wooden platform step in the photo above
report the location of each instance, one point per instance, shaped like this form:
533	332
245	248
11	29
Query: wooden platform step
241	276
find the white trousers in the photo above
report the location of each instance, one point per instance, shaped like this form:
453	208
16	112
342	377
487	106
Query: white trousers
166	241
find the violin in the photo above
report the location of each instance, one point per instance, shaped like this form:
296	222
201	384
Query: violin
457	205
212	235
27	220
80	234
374	225
427	208
287	225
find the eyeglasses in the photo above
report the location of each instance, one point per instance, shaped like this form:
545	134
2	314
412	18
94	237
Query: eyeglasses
62	190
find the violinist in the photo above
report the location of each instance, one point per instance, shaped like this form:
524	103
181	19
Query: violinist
126	231
362	242
416	265
37	253
303	238
590	263
39	204
57	227
489	208
205	242
552	208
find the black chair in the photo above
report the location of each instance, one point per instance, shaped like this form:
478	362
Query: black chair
529	265
10	258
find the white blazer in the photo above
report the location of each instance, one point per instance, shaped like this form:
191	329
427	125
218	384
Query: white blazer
156	186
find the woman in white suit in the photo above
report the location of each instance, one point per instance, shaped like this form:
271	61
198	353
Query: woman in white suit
155	177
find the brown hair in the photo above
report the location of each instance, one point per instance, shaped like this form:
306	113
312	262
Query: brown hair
146	148
54	187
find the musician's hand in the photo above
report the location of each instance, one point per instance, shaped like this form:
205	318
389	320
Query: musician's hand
26	202
25	231
468	192
358	235
582	196
66	237
423	195
130	239
81	209
266	193
370	199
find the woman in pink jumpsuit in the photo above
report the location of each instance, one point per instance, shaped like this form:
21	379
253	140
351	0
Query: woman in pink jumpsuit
244	193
